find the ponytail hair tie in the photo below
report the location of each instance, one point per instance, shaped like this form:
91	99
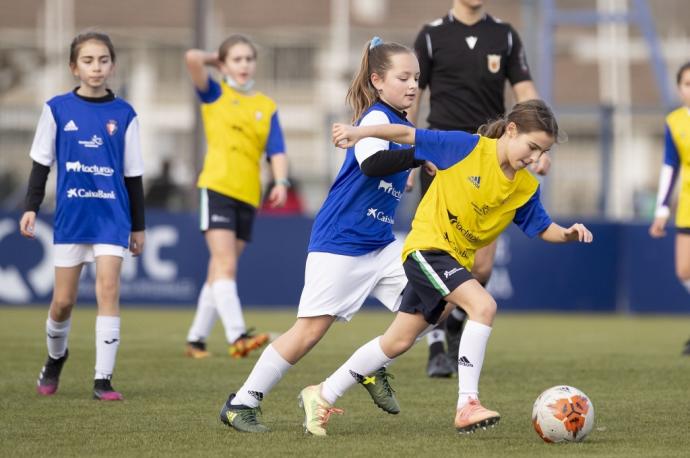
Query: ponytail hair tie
376	41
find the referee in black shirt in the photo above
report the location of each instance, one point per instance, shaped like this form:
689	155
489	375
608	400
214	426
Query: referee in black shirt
465	58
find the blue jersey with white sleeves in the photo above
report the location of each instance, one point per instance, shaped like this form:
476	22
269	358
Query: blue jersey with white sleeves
94	145
358	214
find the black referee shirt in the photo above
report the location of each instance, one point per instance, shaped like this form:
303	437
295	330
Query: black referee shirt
466	67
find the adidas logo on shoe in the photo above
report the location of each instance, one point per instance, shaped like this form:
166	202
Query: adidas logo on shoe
463	361
356	376
70	126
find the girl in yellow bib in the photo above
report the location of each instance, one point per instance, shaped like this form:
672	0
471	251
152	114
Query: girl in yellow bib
481	186
240	125
677	157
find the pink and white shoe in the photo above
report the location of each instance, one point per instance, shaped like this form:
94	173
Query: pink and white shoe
104	391
49	378
473	416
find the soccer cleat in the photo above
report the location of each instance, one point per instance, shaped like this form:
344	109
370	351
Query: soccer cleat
246	343
316	410
242	418
686	350
48	379
440	365
104	391
381	391
196	350
473	416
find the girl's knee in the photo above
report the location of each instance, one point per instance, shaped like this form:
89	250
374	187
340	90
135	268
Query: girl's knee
62	306
485	309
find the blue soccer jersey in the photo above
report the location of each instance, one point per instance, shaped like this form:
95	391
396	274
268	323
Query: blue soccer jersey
95	146
358	214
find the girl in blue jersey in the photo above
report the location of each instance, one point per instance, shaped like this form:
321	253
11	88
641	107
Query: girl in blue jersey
677	159
352	250
480	187
93	138
240	125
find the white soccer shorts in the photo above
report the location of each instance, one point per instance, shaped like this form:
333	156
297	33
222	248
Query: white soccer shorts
337	285
73	254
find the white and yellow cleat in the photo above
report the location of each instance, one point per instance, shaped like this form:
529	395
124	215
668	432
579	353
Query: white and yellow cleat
316	410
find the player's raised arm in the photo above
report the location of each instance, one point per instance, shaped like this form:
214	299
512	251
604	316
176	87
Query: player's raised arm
196	61
345	136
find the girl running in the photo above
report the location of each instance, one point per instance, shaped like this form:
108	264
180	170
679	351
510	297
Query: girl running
677	156
352	251
240	124
93	137
480	187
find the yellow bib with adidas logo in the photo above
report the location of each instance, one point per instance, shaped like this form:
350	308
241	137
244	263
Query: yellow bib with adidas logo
468	205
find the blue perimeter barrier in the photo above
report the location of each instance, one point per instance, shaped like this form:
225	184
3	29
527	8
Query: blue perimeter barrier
623	270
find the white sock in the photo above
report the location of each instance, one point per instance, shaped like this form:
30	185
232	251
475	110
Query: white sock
435	336
686	284
268	370
366	360
57	333
470	360
229	308
458	314
107	343
205	316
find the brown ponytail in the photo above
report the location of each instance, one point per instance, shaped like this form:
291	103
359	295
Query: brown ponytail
529	116
377	59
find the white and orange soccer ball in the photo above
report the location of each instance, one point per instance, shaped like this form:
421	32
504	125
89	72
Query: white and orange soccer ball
563	414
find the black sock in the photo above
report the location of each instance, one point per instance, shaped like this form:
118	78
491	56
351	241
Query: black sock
453	325
437	347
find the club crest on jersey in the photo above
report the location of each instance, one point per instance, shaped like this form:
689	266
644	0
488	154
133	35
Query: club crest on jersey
471	41
111	127
493	62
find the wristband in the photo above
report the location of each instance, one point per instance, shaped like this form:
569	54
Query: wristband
662	212
284	182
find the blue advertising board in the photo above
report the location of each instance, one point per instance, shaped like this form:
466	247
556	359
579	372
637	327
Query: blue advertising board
623	270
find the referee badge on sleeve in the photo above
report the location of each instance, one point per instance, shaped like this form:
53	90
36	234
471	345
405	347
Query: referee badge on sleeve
494	62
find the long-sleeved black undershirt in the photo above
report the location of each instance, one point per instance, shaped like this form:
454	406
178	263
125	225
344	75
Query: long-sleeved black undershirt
387	162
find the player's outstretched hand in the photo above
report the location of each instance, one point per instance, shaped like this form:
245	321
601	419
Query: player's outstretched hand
277	196
344	136
136	243
578	233
27	223
430	168
658	228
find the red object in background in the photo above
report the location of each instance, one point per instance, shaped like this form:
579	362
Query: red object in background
293	205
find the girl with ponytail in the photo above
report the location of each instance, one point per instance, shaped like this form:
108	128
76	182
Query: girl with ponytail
352	251
480	187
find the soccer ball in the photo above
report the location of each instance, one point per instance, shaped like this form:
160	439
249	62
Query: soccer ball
563	414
